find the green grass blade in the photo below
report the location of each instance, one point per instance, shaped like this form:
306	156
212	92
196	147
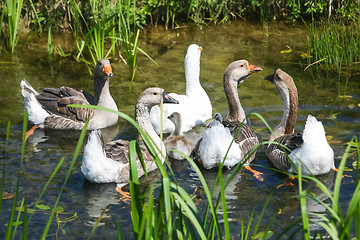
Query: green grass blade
150	214
4	163
207	193
47	183
190	215
76	153
18	217
12	213
134	188
305	217
262	214
223	202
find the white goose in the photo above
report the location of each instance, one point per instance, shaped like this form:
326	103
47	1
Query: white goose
48	109
109	163
310	147
177	141
211	149
194	107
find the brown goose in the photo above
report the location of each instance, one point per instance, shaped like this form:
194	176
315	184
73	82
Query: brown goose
310	147
109	163
211	149
177	141
48	109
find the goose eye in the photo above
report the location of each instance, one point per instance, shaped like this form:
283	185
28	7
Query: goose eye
155	93
242	65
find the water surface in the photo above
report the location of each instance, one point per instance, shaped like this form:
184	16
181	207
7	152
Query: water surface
318	95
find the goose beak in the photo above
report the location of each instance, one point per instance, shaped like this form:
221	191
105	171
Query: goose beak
168	99
108	71
201	48
253	68
270	77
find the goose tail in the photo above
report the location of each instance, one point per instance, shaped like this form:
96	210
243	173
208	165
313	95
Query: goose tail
27	90
93	158
314	131
36	113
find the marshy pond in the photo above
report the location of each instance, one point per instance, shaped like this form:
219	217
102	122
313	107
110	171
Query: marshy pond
334	99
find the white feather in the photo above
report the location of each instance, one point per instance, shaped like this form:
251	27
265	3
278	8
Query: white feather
95	166
194	107
215	144
36	113
315	154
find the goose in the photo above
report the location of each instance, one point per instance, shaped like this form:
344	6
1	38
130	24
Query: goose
310	147
194	107
106	163
177	141
49	108
211	149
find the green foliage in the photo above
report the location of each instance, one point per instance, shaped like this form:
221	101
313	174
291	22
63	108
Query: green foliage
13	10
334	44
174	214
338	225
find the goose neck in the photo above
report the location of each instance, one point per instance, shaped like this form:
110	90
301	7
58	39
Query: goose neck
236	112
103	97
287	124
142	117
177	130
192	76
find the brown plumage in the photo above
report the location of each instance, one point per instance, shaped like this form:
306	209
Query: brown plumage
49	108
207	150
109	162
177	141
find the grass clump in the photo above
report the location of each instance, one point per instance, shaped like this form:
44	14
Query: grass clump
334	44
174	215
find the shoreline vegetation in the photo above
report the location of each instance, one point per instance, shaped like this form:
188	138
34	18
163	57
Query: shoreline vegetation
174	213
107	28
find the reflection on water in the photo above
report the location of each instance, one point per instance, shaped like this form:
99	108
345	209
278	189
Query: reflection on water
318	95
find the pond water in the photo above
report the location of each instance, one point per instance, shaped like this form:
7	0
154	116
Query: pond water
318	95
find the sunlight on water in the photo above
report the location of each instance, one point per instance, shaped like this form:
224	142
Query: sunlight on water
318	95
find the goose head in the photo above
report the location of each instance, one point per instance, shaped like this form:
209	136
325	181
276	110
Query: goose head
283	82
239	70
175	117
103	69
192	58
285	85
153	96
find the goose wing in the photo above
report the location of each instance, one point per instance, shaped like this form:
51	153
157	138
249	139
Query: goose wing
246	137
55	101
118	151
277	154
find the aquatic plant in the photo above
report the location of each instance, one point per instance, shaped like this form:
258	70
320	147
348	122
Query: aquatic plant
96	36
175	214
334	44
336	224
125	36
13	10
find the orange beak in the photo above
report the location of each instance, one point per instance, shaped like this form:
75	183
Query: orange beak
108	71
253	68
200	47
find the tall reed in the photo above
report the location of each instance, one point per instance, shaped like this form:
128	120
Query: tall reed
175	216
334	44
96	36
23	210
13	8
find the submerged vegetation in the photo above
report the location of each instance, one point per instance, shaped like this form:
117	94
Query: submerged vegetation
173	213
